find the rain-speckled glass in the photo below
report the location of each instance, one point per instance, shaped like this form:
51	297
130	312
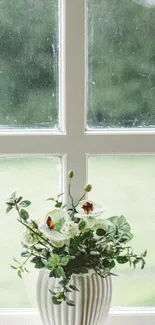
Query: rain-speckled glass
121	64
126	185
36	179
29	44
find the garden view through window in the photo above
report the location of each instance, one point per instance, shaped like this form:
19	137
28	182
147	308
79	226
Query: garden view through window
121	64
29	42
126	185
35	179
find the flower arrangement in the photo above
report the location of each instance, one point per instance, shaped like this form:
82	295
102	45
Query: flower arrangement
73	240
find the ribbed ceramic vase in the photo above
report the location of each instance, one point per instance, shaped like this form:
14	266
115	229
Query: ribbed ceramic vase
92	303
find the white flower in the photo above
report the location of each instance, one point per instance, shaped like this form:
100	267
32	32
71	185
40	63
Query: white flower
87	209
70	229
48	228
89	223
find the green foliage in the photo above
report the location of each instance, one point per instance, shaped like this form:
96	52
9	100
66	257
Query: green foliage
25	204
82	225
71	247
23	214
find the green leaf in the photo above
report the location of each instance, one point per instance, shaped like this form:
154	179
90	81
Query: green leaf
73	287
24	214
58	204
10	203
59	272
13	267
59	224
52	292
34	224
25	254
9	208
56	301
69	302
50	199
36	259
143	264
82	225
83	270
39	265
65	260
122	259
54	260
25	204
19	199
100	232
49	267
145	253
19	274
60	194
94	253
13	196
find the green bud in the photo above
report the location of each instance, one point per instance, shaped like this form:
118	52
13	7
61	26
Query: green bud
70	174
88	188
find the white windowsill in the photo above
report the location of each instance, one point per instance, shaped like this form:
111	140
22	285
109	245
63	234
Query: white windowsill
117	316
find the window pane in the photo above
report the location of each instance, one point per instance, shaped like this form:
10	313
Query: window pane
126	185
121	64
35	179
29	63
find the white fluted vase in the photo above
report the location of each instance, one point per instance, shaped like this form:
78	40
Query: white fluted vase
92	303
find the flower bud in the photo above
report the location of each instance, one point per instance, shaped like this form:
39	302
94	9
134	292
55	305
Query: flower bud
88	188
70	174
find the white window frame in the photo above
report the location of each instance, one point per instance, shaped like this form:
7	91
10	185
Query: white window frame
74	143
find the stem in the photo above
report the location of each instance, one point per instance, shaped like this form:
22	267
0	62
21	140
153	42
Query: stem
38	235
25	261
17	208
69	192
80	199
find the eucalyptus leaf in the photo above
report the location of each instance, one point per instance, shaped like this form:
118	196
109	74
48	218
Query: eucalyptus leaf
24	214
9	208
13	267
25	203
19	273
73	287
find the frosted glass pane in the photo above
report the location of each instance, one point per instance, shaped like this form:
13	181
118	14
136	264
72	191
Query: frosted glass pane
126	185
35	179
121	63
29	63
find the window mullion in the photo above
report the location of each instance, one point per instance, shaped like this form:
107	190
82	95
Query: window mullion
73	18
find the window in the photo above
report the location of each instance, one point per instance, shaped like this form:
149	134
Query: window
70	140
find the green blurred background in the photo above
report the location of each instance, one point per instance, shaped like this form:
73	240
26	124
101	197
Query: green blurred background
121	64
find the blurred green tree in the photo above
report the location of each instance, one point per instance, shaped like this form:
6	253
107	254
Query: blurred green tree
121	58
29	67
